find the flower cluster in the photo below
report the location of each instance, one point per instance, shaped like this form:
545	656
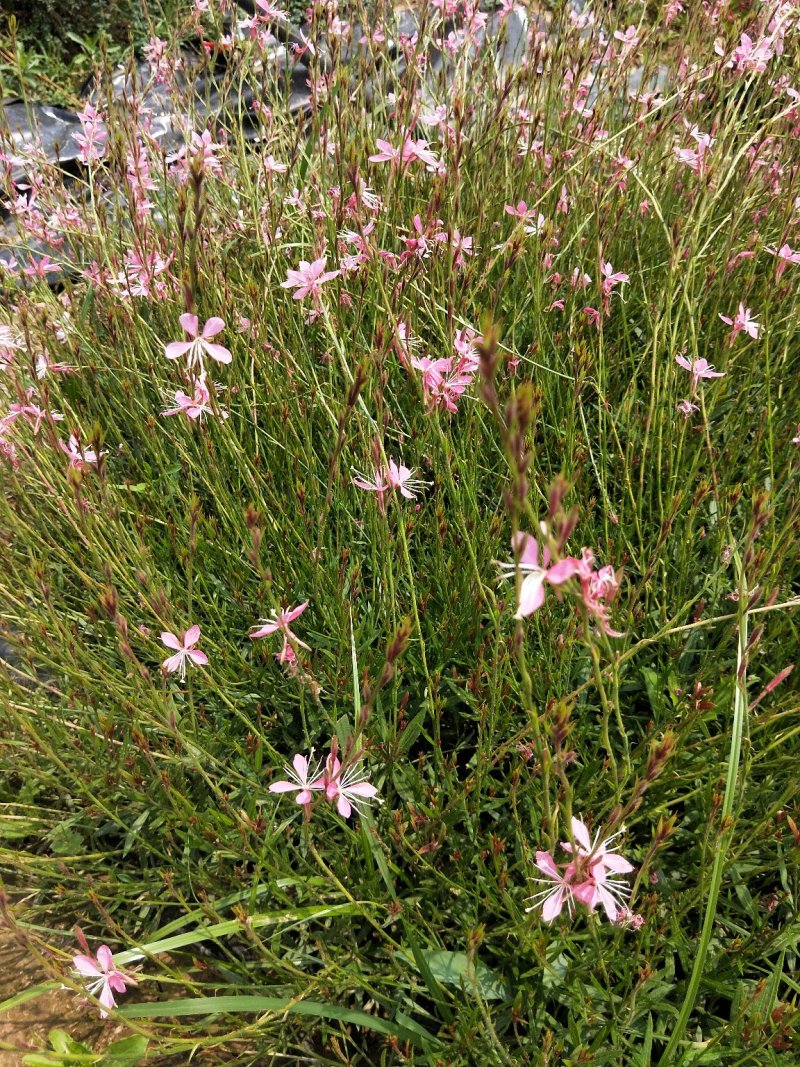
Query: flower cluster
587	878
341	784
597	588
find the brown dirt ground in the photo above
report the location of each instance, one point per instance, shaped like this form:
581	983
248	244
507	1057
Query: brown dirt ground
27	1026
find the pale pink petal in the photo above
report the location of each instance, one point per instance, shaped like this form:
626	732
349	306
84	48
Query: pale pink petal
531	594
105	958
198	657
173	663
86	965
106	999
176	349
283	787
581	834
218	352
343	806
546	864
189	323
192	636
362	789
553	904
212	327
290	616
300	764
563	571
586	893
527	546
616	863
303	797
118	982
264	631
608	902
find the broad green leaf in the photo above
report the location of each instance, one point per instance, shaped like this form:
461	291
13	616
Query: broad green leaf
127	1052
452	968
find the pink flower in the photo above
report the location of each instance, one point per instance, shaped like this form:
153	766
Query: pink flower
308	278
531	593
588	878
411	151
629	39
611	278
687	408
392	476
597	850
598	589
91	139
796	440
433	371
742	321
194	407
560	891
80	457
348	787
280	622
698	368
107	978
695	158
200	342
301	776
272	166
751	55
785	255
185	651
593	316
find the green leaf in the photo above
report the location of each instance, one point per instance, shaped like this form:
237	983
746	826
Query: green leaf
63	1043
452	968
276	1005
134	830
127	1052
434	988
235	926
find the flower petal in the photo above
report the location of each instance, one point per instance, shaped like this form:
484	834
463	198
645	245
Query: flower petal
547	865
616	863
361	789
85	965
580	833
553	904
563	571
218	352
300	764
283	787
105	959
189	323
213	326
528	547
176	349
531	594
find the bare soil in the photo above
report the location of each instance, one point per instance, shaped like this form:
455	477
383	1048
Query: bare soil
27	1026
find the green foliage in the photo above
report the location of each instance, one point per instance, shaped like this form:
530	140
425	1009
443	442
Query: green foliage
138	807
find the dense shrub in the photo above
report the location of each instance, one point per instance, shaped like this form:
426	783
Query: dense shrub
344	369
